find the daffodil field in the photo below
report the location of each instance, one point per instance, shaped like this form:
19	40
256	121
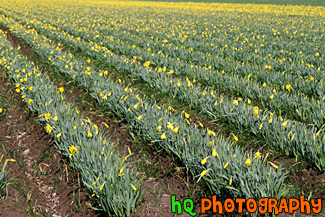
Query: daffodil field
256	68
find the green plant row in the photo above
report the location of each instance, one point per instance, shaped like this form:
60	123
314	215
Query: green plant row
297	106
116	190
227	170
291	138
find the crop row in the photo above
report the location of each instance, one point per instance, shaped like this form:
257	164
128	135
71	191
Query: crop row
289	137
227	170
108	177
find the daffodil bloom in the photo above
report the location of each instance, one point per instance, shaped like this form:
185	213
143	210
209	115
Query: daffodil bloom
230	181
288	87
30	101
272	96
284	124
257	155
249	76
274	165
139	118
201	125
235	102
1	110
18	90
59	135
312	78
73	150
106	125
159	128
47	116
248	162
236	138
234	156
170	72
255	110
264	84
260	127
204	160
163	136
121	170
48	128
249	101
175	130
89	134
214	153
187	115
170	126
55	118
133	187
61	89
225	166
203	173
146	64
102	186
136	105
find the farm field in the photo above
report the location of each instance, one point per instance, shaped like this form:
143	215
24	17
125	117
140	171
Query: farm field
110	108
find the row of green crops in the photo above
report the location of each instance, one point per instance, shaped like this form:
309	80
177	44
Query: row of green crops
107	176
228	171
291	138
